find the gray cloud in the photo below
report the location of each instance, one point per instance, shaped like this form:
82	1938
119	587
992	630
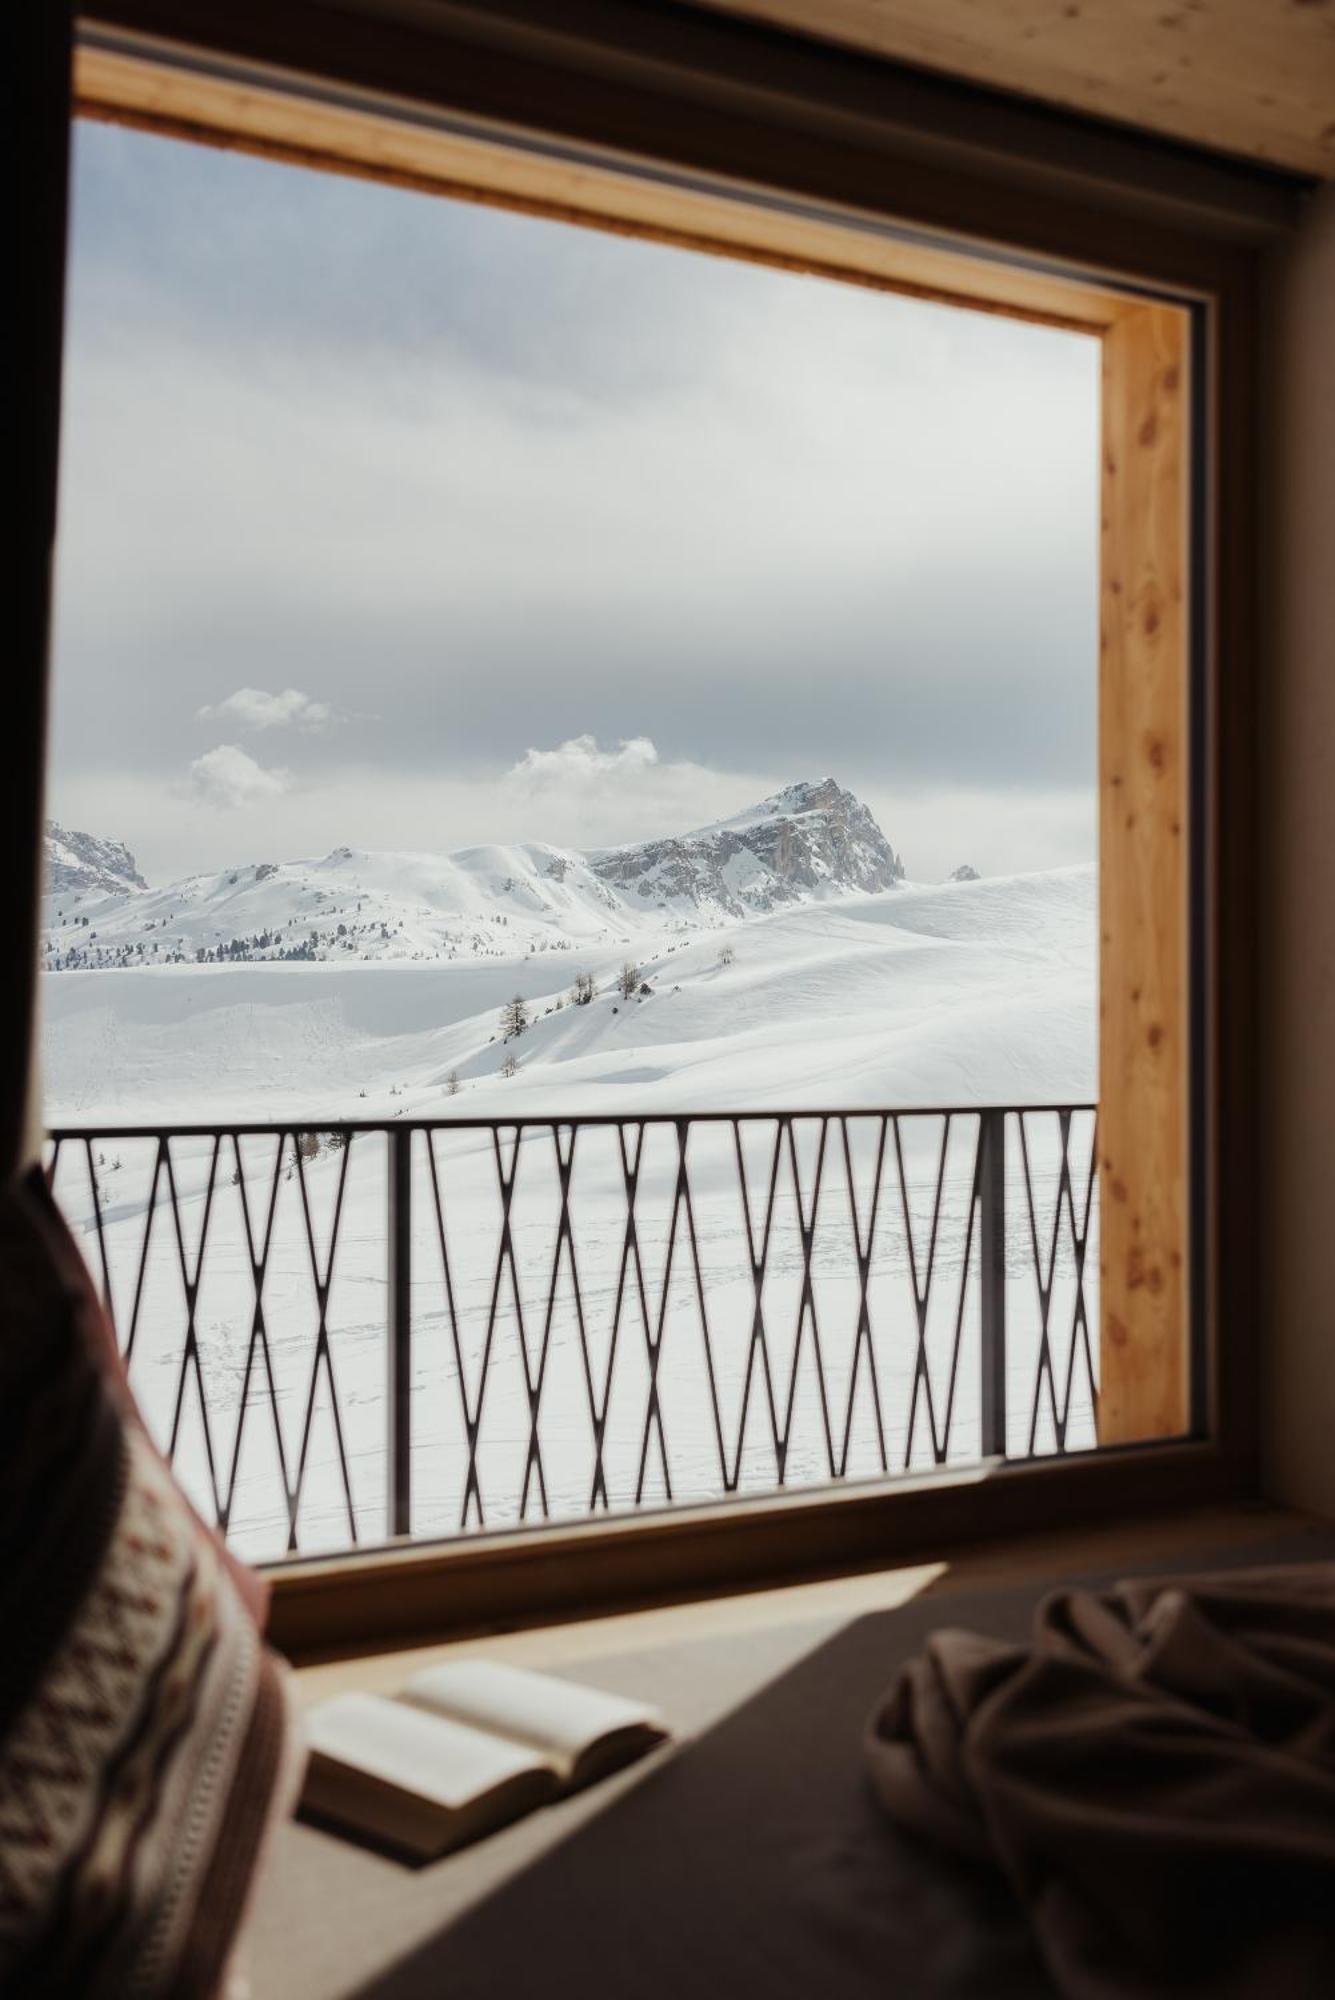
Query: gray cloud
509	484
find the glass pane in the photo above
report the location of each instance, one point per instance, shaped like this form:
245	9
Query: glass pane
508	672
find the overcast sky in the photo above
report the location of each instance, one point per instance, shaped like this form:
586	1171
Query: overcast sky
396	522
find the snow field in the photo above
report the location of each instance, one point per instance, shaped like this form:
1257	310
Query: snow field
975	993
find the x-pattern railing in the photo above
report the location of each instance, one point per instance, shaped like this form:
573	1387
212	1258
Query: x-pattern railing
897	1247
1045	1265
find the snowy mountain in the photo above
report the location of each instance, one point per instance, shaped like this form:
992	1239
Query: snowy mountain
778	958
809	843
79	864
979	992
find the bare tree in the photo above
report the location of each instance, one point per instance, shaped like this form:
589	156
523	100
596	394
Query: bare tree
581	993
514	1017
727	954
628	980
510	1067
452	1084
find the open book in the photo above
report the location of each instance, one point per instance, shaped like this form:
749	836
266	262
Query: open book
463	1749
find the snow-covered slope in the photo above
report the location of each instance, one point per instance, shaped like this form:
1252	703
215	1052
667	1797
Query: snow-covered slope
809	842
965	993
349	907
778	956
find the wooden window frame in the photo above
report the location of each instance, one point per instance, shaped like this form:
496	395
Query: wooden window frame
716	136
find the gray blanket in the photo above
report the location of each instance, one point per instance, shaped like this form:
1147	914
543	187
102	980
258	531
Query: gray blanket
1153	1773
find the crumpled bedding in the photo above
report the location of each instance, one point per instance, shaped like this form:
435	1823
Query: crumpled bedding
1153	1773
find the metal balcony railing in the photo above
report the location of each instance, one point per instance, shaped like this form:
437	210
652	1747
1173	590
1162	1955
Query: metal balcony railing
357	1330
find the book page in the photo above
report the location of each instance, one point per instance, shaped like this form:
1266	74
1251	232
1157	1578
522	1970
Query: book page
555	1715
425	1754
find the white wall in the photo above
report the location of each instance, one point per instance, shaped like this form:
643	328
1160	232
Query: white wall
1296	1171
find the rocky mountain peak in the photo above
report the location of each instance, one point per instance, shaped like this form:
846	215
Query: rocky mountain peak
79	864
810	839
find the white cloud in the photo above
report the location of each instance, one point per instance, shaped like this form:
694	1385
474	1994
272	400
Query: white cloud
229	778
579	761
581	795
255	709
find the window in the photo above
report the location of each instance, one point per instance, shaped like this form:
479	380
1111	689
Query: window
1139	1331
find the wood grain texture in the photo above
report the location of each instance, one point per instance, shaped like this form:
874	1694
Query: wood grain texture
1143	881
411	153
715	96
1251	77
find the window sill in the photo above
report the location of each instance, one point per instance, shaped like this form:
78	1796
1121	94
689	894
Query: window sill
400	1595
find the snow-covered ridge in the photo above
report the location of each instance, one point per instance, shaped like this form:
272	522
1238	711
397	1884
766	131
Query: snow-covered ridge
808	843
974	992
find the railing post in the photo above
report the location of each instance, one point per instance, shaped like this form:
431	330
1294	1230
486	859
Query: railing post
399	1173
992	1267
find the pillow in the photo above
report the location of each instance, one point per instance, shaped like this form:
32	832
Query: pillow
145	1747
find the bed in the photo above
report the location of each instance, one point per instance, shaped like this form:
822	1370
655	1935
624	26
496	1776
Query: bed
752	1859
